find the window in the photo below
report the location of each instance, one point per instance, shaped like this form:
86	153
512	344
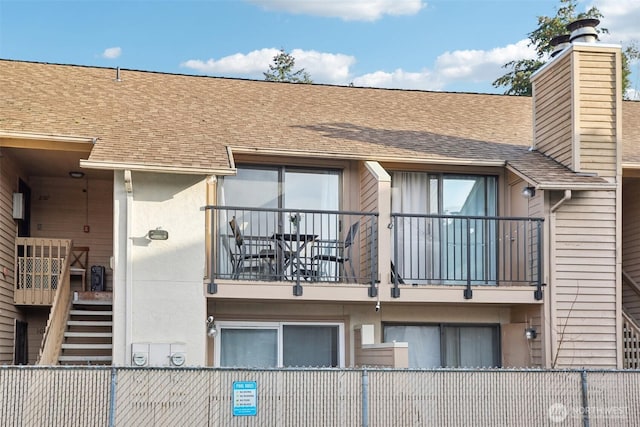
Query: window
269	345
287	188
446	240
266	199
447	345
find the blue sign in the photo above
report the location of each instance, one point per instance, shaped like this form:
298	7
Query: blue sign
245	398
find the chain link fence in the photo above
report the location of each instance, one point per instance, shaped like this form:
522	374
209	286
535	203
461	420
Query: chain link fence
105	396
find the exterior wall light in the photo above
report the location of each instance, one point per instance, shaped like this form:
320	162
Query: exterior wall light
76	174
158	234
530	333
529	192
211	327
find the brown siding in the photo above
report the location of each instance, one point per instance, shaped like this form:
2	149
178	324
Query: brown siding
631	228
63	206
597	112
8	312
553	106
585	280
369	201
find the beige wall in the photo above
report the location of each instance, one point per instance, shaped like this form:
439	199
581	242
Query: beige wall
158	293
552	128
584	282
576	100
8	312
61	207
598	99
354	315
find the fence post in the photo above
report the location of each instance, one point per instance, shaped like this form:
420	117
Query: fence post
585	400
112	404
365	398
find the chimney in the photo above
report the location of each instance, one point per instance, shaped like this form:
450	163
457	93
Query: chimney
577	99
583	30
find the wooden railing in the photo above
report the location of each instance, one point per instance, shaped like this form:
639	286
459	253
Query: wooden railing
631	338
39	269
53	336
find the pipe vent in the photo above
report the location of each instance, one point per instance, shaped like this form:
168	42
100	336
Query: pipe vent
584	30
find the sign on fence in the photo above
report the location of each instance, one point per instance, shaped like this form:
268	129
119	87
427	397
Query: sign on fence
245	398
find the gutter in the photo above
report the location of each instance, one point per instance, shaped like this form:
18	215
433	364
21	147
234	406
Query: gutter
92	164
408	158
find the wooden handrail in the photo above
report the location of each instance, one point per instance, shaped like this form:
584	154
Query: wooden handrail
54	332
631	342
632	283
38	269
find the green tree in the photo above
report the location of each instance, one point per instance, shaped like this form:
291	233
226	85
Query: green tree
518	80
282	70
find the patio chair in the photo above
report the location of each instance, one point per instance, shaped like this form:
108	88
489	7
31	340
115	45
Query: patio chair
340	254
249	255
79	263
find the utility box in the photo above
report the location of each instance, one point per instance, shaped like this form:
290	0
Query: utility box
97	278
158	354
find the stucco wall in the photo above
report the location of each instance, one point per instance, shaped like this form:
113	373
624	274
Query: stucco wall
158	294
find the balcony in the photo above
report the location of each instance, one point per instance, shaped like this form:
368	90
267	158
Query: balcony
466	250
39	266
294	245
343	249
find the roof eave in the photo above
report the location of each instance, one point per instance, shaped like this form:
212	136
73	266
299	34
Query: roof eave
93	164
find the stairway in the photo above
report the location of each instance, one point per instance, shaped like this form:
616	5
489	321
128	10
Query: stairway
88	336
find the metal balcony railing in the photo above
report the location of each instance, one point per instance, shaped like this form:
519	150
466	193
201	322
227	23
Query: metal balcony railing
466	250
257	244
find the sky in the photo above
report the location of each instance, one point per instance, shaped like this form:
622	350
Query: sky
436	45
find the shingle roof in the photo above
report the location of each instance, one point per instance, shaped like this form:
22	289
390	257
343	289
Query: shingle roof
169	120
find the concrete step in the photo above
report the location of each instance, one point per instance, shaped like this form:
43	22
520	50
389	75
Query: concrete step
91	312
92	302
88	335
66	346
85	359
89	323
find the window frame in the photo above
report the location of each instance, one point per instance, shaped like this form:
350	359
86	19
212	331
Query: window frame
495	326
278	326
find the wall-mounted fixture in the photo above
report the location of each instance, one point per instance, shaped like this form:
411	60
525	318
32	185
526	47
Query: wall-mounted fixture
158	234
530	333
529	192
211	327
18	205
76	174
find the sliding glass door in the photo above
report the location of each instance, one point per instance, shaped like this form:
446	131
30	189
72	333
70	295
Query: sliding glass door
444	235
261	192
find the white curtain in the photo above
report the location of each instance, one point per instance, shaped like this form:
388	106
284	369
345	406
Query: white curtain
249	348
413	193
424	343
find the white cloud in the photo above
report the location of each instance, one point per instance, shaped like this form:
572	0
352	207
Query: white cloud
632	94
480	65
348	10
322	67
112	53
400	79
450	69
621	18
250	65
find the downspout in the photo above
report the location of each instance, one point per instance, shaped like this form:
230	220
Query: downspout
128	323
567	196
553	336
